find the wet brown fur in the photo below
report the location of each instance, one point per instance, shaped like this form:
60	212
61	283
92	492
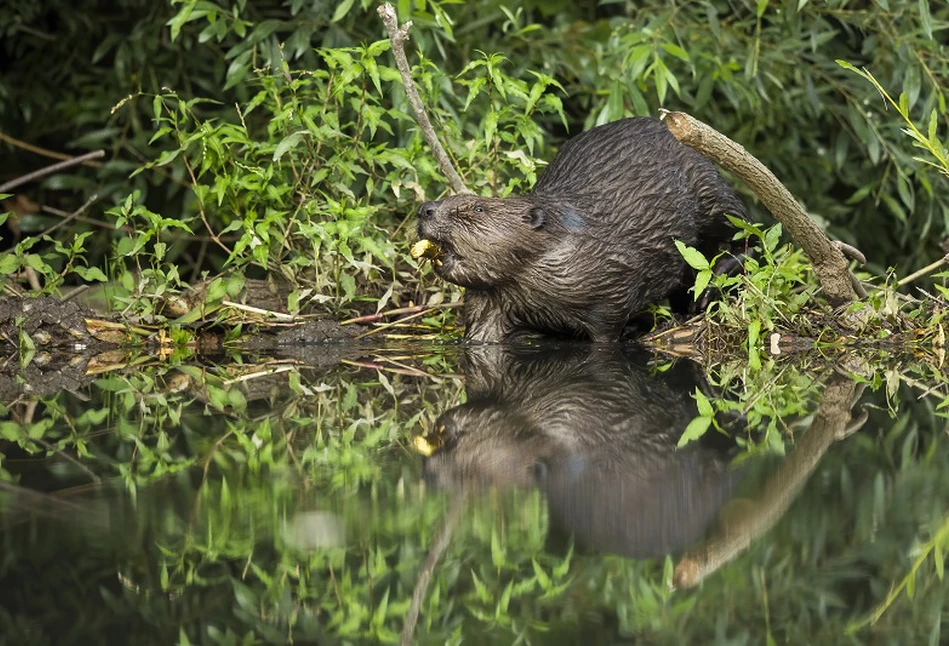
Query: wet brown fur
591	245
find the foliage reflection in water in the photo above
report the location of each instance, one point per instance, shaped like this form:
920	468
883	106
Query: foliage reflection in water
214	506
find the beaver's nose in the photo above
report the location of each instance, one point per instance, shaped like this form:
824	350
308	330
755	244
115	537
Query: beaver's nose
427	210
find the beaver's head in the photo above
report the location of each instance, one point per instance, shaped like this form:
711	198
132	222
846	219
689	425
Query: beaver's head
484	241
486	444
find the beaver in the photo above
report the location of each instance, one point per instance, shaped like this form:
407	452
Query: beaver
592	245
594	429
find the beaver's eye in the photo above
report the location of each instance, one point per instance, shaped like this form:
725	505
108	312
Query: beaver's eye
478	208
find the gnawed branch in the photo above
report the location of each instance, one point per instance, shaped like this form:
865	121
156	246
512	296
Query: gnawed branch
398	36
830	265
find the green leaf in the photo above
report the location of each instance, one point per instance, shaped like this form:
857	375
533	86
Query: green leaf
702	403
925	18
505	600
696	429
542	578
497	552
473	89
754	331
287	143
90	273
701	282
342	10
379	616
561	570
939	559
692	256
480	588
676	51
490	126
9	263
772	237
661	78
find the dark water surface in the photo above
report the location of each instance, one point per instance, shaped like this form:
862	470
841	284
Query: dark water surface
497	495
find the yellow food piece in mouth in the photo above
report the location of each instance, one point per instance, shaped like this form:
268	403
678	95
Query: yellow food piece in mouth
421	445
425	249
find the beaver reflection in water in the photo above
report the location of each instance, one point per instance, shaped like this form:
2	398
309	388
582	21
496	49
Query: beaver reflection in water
591	245
596	432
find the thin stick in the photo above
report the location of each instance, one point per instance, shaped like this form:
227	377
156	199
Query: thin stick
378	316
52	449
204	218
16	143
256	310
412	369
257	375
925	270
829	262
49	170
386	326
398	36
456	511
76	292
72	216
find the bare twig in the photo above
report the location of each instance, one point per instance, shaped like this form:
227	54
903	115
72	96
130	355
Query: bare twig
280	316
61	452
386	326
76	292
257	375
45	208
415	309
456	511
931	267
45	152
204	217
49	170
397	37
371	365
829	262
72	216
378	316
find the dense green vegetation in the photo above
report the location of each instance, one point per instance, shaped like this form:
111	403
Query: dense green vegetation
191	506
273	138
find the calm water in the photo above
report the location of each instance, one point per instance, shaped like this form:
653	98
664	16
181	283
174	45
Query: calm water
489	496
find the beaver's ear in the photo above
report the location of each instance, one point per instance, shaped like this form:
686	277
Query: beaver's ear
536	217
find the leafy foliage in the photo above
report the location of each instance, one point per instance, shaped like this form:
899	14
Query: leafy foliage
279	132
244	513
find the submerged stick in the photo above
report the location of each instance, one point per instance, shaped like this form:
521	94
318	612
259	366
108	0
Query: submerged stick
830	265
832	422
455	513
398	36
